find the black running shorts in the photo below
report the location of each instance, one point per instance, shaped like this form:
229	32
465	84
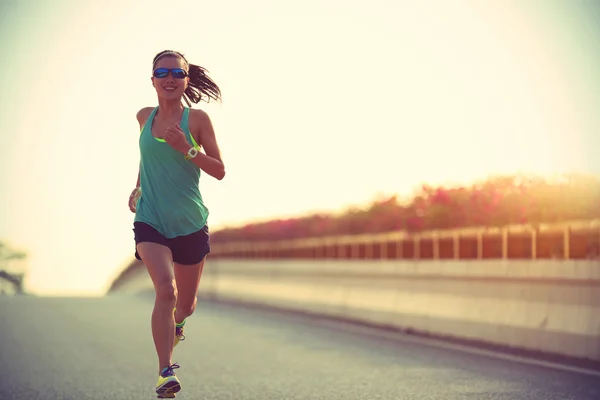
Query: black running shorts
187	250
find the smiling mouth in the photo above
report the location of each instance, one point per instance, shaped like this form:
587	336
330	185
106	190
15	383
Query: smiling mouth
170	88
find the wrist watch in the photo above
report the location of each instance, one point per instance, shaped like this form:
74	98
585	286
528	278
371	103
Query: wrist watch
193	152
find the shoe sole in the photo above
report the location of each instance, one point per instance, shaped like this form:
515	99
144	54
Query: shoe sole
168	390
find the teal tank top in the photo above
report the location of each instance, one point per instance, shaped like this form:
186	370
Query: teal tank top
170	198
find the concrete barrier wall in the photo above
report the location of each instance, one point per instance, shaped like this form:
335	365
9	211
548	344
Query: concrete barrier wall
548	306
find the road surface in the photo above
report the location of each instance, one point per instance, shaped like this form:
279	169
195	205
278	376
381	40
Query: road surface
101	348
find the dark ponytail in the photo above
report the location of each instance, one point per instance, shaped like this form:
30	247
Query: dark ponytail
200	87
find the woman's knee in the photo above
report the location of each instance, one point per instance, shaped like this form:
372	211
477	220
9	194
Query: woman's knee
166	291
187	308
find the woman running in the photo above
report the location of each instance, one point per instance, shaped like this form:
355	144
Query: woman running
170	224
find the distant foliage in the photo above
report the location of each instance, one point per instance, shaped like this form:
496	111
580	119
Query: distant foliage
498	201
7	253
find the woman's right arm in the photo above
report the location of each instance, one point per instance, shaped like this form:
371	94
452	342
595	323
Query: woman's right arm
141	116
133	197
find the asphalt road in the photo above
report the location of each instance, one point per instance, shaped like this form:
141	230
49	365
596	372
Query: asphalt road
101	348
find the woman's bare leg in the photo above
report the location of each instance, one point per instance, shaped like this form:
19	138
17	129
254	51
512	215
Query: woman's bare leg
159	263
187	279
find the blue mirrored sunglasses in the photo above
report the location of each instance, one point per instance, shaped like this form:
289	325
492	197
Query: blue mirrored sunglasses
176	73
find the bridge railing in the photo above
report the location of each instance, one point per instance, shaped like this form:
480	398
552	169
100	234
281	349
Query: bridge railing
568	241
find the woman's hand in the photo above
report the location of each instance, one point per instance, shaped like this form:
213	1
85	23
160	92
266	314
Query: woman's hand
133	198
175	137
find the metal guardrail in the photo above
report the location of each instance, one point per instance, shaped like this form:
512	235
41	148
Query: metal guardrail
570	240
573	240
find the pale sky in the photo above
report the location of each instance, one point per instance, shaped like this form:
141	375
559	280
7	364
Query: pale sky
325	104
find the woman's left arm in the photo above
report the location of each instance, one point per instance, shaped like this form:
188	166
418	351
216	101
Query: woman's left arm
204	134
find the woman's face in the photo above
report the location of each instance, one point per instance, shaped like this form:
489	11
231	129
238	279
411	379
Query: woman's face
170	87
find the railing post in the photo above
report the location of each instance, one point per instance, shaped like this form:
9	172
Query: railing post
456	245
566	243
533	243
416	247
318	251
504	243
479	245
301	251
333	248
400	249
341	250
598	255
368	248
354	251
